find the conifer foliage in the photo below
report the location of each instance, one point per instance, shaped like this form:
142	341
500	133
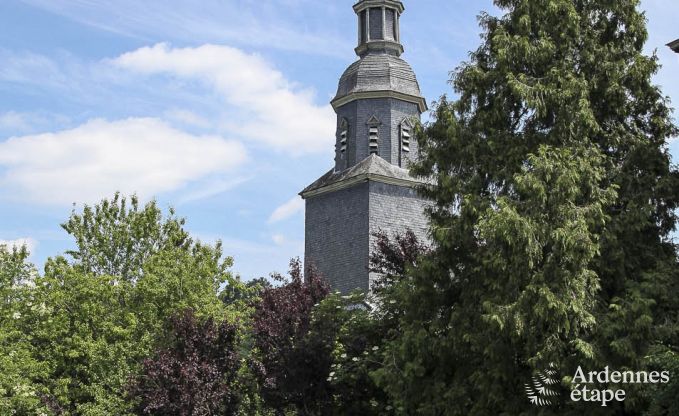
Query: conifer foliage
553	202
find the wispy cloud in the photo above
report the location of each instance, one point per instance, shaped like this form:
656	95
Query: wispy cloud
278	239
282	241
287	210
13	122
279	24
137	155
212	188
74	83
187	117
26	67
271	109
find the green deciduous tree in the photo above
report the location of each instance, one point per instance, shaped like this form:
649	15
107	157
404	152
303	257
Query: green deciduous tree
116	237
18	367
97	315
355	334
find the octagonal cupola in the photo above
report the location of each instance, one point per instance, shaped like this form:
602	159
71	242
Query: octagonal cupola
378	98
378	26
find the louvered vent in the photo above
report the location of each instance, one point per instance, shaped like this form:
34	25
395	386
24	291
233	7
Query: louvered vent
343	139
374	140
405	139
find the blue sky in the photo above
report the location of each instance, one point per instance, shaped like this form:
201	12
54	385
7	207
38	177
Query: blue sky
218	108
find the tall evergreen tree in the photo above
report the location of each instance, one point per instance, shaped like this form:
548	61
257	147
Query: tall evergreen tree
553	202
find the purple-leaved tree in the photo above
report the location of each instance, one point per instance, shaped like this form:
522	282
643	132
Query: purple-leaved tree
292	366
195	374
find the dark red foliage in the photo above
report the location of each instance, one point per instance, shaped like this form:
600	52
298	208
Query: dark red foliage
195	375
292	367
391	258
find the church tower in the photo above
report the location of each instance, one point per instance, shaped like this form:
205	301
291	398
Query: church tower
378	102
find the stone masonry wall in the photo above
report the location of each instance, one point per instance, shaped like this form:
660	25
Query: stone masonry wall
336	237
391	113
394	210
339	228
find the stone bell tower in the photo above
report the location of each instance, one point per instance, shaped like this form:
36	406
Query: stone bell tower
378	103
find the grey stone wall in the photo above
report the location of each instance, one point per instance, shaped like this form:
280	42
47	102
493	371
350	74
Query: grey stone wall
337	237
391	113
394	210
400	110
339	228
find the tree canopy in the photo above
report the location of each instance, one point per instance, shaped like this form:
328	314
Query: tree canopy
553	199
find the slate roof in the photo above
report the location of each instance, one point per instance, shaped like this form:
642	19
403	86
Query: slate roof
378	72
674	45
372	166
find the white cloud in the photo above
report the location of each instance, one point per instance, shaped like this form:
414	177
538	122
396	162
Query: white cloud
92	161
287	210
29	243
271	110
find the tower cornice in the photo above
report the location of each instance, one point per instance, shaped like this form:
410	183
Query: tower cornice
371	169
354	96
379	45
362	5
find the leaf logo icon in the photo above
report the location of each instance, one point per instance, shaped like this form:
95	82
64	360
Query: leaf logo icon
539	391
